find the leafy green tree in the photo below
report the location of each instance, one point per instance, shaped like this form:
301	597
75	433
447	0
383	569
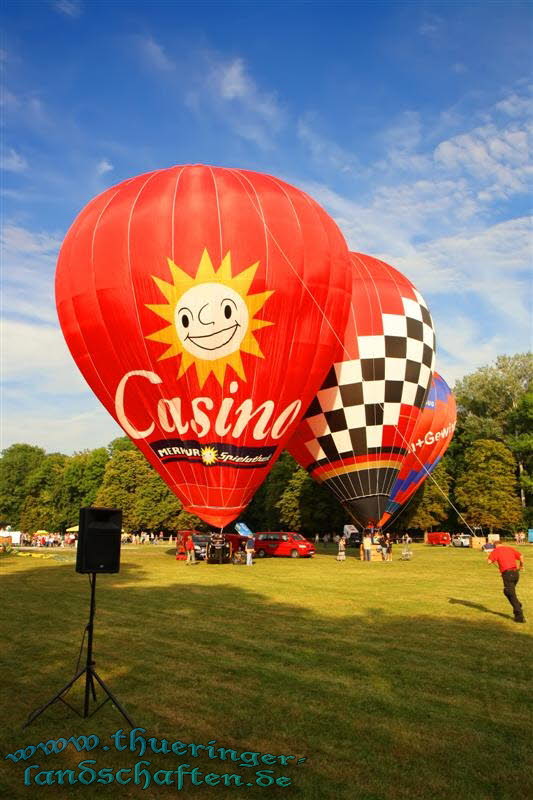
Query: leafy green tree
81	479
263	513
125	472
430	506
309	507
16	465
130	483
155	506
121	443
289	504
185	521
493	392
487	488
39	510
519	428
491	405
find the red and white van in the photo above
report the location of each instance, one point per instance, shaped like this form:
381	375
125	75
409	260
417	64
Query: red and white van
439	537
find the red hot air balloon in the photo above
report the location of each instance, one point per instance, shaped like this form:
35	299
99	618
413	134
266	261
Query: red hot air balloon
430	440
199	304
356	433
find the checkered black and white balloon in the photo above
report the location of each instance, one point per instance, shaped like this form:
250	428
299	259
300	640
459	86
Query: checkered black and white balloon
356	432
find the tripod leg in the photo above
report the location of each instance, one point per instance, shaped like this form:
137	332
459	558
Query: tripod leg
93	688
89	688
113	699
33	716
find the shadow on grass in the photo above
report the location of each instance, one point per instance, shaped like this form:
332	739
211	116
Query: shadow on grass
383	707
478	607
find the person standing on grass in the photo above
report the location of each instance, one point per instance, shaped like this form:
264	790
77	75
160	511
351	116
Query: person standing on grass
388	546
250	550
367	545
191	553
507	559
341	555
383	544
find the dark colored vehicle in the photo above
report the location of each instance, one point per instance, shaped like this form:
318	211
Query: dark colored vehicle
200	545
218	549
281	543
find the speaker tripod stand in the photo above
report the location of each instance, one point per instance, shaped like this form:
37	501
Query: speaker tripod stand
90	677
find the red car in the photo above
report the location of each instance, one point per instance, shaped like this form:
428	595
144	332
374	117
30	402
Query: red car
281	543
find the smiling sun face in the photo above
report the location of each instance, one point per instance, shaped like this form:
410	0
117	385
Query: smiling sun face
211	316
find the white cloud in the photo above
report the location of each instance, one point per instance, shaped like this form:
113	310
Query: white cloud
70	8
234	83
60	432
104	166
482	267
515	105
223	86
26	109
323	150
28	267
13	161
39	354
155	56
431	26
461	348
498	159
494	264
16	239
227	87
40	378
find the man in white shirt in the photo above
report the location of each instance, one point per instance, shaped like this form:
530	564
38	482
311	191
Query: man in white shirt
367	545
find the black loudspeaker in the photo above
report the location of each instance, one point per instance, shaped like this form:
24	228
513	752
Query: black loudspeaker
99	535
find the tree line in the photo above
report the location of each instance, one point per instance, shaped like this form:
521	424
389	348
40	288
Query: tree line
485	479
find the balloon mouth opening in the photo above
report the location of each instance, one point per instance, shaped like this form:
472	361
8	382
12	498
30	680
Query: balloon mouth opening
217	517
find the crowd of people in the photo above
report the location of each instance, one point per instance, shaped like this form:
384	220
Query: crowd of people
48	539
371	537
69	539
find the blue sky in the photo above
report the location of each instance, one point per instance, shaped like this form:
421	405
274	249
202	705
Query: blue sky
408	121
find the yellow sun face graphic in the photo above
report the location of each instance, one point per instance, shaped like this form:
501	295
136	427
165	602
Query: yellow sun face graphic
211	318
209	455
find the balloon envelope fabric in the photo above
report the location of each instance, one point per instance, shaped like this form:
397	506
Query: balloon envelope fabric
431	438
356	433
200	305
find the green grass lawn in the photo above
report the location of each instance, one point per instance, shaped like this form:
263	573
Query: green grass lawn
394	681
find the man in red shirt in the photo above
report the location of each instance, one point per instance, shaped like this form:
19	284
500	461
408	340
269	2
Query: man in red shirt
506	558
191	553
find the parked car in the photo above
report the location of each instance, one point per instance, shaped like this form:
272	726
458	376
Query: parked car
462	540
281	543
439	538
